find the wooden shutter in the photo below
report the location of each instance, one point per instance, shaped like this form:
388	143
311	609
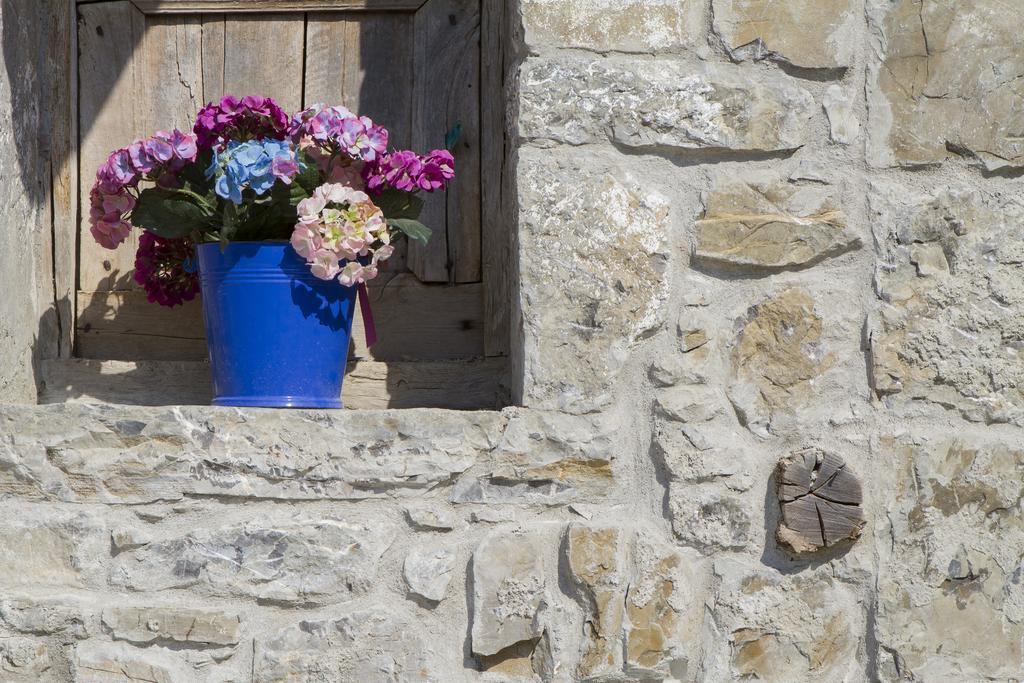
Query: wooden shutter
413	66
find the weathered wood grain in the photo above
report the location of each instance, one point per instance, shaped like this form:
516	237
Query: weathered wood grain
820	500
414	321
446	92
497	257
62	64
109	117
186	6
364	62
262	55
368	384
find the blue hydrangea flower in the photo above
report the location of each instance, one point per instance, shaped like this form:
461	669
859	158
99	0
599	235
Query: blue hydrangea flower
252	164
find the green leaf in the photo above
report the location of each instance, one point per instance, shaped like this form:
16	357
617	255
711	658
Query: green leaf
398	204
168	213
413	229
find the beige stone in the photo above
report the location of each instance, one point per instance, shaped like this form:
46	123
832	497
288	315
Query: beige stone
769	226
664	107
596	558
664	610
777	356
190	626
294	559
800	628
382	644
613	25
509	586
948	77
812	34
25	659
844	126
99	662
427	573
948	274
595	252
949	605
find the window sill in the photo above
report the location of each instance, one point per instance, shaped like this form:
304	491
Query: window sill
103	453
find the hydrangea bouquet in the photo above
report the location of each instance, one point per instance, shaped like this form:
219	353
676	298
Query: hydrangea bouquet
324	179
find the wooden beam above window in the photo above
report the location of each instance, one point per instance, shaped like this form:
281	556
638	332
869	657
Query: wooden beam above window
187	6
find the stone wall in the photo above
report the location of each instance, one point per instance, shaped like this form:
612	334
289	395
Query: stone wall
750	232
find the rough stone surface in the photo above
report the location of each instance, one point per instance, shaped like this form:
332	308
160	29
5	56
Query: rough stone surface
664	107
509	589
777	357
428	573
740	232
596	558
595	278
947	79
817	34
950	603
361	645
613	25
297	559
765	227
844	126
195	627
777	627
949	272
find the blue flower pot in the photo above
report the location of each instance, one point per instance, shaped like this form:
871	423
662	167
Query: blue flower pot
278	336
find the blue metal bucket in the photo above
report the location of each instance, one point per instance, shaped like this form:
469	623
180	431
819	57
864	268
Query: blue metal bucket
278	336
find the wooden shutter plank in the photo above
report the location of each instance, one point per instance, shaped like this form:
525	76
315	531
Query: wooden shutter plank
497	254
365	64
446	59
414	321
262	55
369	385
62	62
187	6
213	57
108	36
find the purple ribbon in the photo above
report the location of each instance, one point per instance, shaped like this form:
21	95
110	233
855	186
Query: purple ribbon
364	306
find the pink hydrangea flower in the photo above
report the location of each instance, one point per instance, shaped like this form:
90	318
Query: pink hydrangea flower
338	131
341	234
157	158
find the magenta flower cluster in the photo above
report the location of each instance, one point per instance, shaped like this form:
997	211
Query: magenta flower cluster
248	118
157	158
340	230
160	267
336	129
409	172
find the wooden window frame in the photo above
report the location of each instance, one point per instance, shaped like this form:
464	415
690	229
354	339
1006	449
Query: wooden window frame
498	261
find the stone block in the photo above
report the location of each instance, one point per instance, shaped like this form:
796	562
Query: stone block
100	662
546	458
119	454
45	547
26	659
613	25
812	34
509	587
356	645
765	226
428	572
948	274
950	604
947	79
294	560
667	107
192	627
594	245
